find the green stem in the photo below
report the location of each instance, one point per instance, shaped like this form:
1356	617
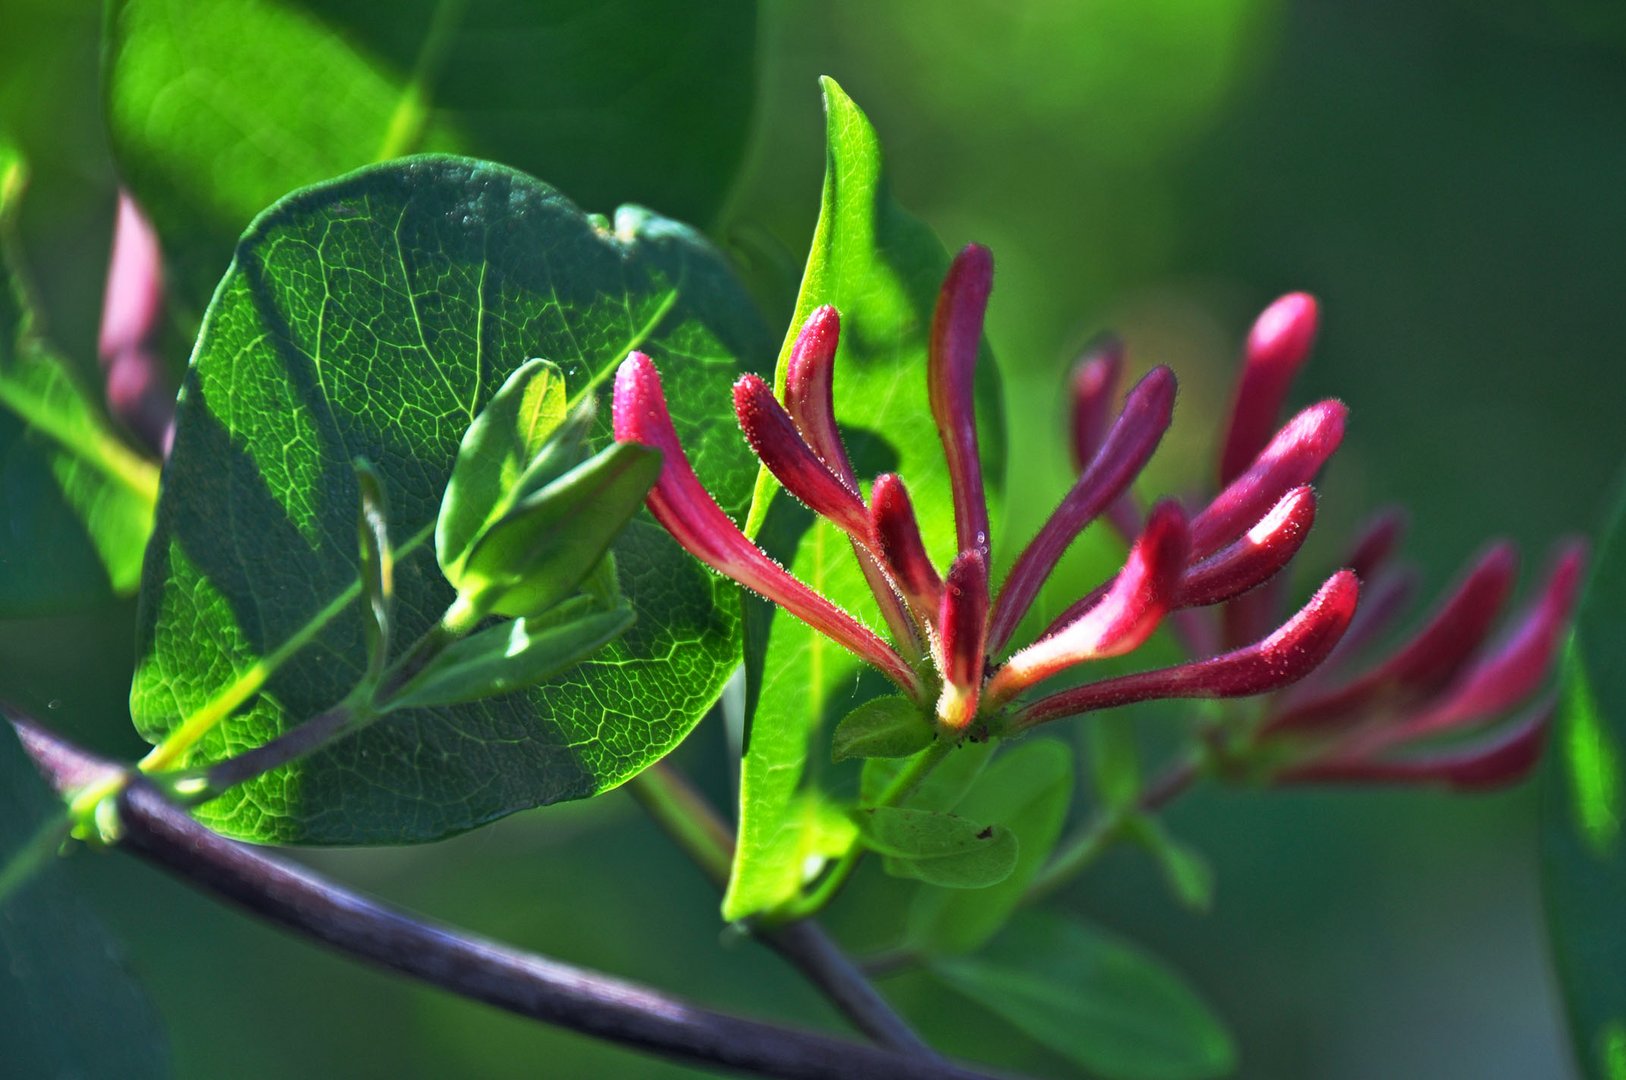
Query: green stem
674	804
901	787
32	856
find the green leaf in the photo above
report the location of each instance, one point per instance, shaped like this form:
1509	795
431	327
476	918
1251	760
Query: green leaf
375	316
76	503
377	569
1114	758
881	268
1583	807
887	727
512	656
70	1006
943	787
1099	1001
1028	787
496	450
542	549
938	848
209	107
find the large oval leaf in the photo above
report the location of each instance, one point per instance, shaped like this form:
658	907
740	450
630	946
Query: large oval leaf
373	317
881	268
1583	810
211	115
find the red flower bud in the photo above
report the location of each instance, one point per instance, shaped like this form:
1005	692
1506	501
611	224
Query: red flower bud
898	535
1094	385
1277	347
810	393
962	628
956	339
1255	557
773	435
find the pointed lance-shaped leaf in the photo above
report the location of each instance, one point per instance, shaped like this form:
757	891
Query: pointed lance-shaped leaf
1279	660
687	511
1147	410
1256	556
1430	659
496	450
541	550
377	568
1120	621
1277	347
1513	668
775	439
1094	385
1292	458
962	639
956	339
1377	542
810	392
897	533
512	655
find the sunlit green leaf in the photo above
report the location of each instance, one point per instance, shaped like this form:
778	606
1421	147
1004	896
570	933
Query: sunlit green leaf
881	269
375	316
211	117
1027	789
887	727
1583	808
70	1007
1099	1001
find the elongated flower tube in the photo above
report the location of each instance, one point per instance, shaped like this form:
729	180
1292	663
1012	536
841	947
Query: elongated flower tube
956	339
1278	345
1223	568
810	390
692	516
1279	660
1128	446
962	639
775	438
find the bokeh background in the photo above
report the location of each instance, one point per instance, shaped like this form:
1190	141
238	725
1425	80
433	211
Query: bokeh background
1448	176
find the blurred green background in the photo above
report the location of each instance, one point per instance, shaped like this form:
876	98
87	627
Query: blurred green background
1448	176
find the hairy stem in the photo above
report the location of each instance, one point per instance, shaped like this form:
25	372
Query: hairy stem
683	812
581	1000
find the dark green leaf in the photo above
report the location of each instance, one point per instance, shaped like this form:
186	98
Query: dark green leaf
76	502
543	548
375	316
498	447
887	727
377	568
881	268
1114	759
1096	1000
938	848
943	787
1028	787
1583	807
70	1007
211	116
1190	877
512	656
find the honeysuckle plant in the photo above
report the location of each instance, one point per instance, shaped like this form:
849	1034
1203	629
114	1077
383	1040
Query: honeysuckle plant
393	578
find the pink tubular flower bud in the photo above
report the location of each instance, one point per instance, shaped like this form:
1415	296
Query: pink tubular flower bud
138	390
1292	458
1433	655
962	628
898	535
773	435
1279	660
687	511
1120	620
810	394
956	339
1140	426
1377	542
1255	557
1511	671
1504	759
1277	347
1094	385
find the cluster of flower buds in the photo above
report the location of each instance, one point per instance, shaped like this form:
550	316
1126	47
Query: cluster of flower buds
946	629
